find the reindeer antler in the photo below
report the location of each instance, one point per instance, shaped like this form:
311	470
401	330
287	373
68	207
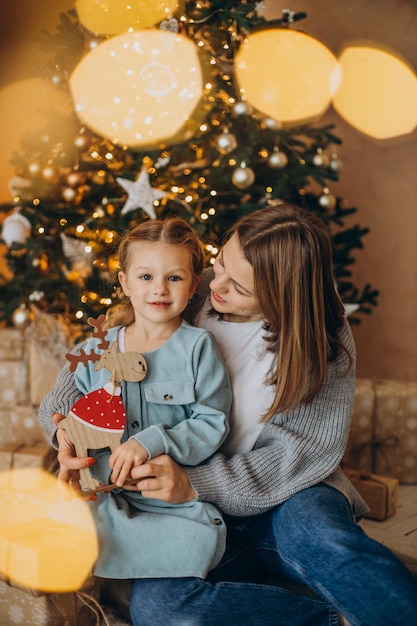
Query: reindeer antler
92	356
82	357
99	332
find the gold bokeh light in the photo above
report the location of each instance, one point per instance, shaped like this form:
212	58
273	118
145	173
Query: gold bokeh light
48	542
378	95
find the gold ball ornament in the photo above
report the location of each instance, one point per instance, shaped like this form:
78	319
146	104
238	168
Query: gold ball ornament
327	200
22	317
69	194
75	178
277	160
50	173
243	177
34	168
320	159
82	141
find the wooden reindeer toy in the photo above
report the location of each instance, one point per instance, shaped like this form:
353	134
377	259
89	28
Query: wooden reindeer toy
98	419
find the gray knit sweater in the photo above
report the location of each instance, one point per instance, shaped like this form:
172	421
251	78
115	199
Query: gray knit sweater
293	451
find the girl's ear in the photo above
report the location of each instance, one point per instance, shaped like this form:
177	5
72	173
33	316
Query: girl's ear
193	287
123	283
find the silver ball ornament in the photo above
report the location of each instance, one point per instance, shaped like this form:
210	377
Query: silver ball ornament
226	142
242	108
243	177
271	123
335	164
16	229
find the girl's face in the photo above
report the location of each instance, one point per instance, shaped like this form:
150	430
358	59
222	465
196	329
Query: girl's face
159	281
232	288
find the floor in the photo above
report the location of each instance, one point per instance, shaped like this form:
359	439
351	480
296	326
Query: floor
399	532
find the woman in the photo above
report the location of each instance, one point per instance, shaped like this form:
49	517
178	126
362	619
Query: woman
289	509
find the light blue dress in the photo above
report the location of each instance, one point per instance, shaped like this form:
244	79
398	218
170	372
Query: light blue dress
181	408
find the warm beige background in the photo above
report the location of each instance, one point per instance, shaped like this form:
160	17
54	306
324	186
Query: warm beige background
379	179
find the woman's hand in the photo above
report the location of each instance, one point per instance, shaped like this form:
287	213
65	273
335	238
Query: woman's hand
69	463
163	479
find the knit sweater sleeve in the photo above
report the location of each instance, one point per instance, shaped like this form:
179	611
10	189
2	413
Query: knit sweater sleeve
293	451
60	399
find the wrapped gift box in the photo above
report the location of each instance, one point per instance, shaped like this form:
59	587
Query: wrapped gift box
359	449
14	386
12	344
379	492
39	454
20	607
43	371
49	338
20	425
383	436
396	430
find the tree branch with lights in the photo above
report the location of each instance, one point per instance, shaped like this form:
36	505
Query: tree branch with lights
209	156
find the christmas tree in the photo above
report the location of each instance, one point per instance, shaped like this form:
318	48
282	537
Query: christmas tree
77	191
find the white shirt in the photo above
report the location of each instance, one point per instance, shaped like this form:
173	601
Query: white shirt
248	362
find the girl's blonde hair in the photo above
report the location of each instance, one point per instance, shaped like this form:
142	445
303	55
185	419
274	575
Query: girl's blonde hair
291	255
175	231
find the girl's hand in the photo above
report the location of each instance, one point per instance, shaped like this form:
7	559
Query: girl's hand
125	457
163	479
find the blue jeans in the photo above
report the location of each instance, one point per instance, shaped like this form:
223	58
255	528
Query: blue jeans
299	564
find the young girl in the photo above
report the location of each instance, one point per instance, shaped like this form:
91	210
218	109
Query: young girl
180	408
291	513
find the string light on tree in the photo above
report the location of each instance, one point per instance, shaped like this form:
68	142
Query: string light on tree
229	158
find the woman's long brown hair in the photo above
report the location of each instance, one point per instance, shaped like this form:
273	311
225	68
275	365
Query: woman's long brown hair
291	255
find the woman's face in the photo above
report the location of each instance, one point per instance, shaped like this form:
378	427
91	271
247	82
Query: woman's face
232	288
